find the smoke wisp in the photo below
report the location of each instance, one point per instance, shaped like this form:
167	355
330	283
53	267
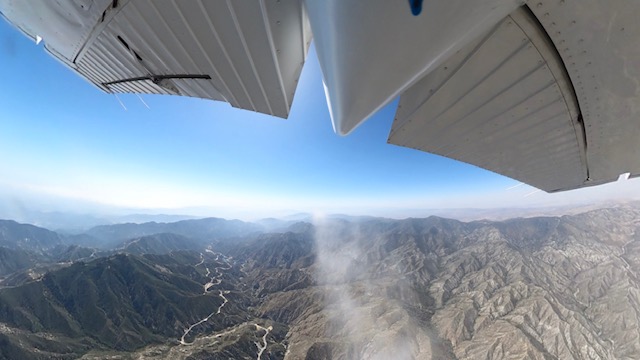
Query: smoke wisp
365	294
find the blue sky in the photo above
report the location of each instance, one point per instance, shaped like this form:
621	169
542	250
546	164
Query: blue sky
65	145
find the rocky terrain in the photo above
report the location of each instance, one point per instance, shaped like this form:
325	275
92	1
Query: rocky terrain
367	288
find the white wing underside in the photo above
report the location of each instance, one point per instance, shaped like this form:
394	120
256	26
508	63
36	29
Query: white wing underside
546	92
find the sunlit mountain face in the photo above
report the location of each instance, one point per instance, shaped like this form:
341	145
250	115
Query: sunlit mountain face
333	287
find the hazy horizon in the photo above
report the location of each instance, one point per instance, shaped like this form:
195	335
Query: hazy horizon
34	209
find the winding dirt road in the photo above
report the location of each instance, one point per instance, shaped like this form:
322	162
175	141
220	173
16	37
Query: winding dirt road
214	280
262	346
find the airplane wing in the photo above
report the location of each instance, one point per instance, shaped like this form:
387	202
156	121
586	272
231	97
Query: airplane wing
247	53
545	91
504	102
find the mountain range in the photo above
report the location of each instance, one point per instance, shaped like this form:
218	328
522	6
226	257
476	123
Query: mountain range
563	287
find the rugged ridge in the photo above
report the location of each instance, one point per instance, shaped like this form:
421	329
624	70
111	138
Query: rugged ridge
206	230
163	243
14	235
539	288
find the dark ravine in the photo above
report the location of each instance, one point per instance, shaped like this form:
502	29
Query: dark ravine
537	288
